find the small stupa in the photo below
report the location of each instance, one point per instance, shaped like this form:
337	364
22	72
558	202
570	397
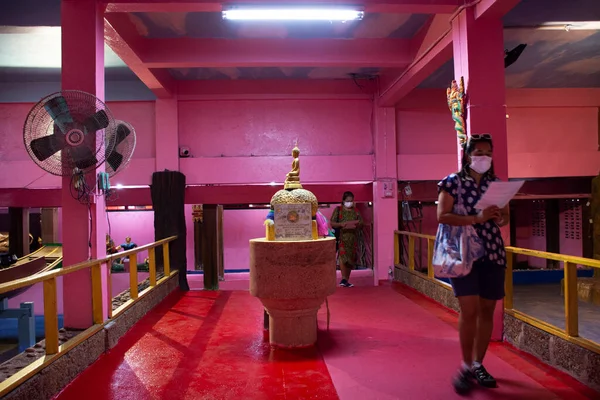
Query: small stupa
293	193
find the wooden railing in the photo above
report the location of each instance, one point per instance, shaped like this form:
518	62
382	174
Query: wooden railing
571	315
49	280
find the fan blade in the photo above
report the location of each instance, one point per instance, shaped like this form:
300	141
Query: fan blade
83	157
58	109
115	160
122	132
45	147
96	122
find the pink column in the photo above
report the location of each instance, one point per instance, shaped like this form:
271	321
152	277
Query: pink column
479	58
82	69
167	135
385	193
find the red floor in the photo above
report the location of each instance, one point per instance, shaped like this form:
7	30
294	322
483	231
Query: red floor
384	343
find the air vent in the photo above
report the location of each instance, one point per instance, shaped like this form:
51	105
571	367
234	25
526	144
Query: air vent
538	222
571	211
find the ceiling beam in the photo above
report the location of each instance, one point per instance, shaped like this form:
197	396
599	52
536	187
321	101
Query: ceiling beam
120	34
434	28
373	6
215	53
432	48
270	89
494	8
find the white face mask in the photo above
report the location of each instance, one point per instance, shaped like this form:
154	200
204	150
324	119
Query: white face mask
481	164
348	204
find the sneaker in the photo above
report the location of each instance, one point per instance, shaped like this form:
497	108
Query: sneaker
345	283
484	378
463	381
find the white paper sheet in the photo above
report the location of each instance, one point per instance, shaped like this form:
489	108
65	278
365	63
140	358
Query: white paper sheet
499	194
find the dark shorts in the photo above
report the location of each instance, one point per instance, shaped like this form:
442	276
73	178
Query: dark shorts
486	280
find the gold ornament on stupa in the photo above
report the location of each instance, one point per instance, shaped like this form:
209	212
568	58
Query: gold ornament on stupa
293	193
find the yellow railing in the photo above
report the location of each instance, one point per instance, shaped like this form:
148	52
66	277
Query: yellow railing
49	280
571	331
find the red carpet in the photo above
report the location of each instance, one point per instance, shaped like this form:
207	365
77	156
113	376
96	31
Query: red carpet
384	343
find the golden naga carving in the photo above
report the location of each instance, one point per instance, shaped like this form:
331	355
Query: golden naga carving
455	95
292	179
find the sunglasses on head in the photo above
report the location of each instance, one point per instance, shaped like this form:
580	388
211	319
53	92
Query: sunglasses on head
482	136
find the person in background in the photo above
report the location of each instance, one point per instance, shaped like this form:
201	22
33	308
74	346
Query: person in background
479	291
128	245
110	245
345	220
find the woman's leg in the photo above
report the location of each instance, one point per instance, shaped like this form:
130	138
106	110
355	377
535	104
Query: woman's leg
345	268
466	290
491	283
485	325
467	326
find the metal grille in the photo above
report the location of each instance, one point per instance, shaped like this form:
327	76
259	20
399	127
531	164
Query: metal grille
571	211
538	222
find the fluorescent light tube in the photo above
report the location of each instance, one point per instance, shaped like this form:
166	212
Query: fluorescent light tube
290	14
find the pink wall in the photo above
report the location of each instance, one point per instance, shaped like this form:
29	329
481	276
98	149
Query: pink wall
268	128
239	226
538	123
249	141
35	294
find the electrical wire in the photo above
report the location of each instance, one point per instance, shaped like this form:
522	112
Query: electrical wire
84	194
91	230
108	222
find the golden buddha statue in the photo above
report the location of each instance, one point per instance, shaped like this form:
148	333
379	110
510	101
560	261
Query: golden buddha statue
292	179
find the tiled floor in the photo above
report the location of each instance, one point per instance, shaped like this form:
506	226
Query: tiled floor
545	302
384	343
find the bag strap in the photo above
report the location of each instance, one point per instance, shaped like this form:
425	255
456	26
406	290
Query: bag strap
459	191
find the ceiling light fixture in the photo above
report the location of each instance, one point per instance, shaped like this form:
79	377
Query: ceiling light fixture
571	26
291	14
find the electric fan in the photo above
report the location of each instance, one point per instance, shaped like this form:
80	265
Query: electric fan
69	132
119	158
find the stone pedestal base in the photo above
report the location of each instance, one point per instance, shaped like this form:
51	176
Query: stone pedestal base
292	280
293	328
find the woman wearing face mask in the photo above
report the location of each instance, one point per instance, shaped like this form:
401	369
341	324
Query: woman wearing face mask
479	291
345	219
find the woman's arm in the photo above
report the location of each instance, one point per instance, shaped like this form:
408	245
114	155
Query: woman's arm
359	218
335	224
445	214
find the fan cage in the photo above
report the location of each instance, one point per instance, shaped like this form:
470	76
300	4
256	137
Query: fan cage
81	106
124	148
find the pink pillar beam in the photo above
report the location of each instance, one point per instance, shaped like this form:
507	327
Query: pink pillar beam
385	193
82	69
479	58
167	135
